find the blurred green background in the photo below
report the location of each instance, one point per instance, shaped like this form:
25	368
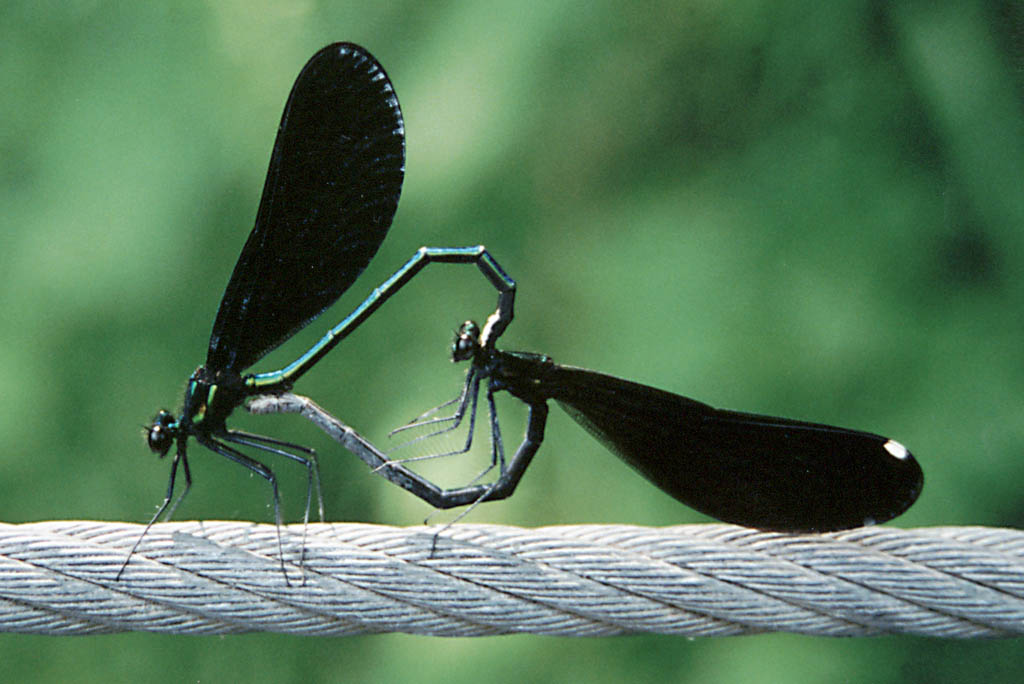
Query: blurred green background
800	208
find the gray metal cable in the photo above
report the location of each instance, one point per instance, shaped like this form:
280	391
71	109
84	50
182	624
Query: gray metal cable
585	580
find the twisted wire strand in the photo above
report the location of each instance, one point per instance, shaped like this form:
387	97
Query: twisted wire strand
225	577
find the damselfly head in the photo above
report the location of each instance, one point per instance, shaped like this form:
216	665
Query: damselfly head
467	341
161	433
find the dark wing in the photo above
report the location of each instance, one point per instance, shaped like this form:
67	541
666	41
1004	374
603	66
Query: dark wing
331	192
757	471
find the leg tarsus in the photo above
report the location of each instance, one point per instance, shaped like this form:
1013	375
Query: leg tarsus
180	456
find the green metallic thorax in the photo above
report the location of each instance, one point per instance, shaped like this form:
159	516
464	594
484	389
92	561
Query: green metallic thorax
211	397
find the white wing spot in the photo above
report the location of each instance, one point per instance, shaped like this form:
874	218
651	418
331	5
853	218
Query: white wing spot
896	449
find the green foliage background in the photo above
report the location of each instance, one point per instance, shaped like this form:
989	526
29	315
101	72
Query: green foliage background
801	208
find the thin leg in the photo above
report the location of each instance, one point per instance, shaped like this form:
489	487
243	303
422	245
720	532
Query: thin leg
273	441
471	397
188	485
508	479
179	457
496	323
261	470
420	420
468	387
497	446
277	446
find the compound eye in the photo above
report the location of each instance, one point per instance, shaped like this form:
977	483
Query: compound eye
161	433
462	349
467	339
